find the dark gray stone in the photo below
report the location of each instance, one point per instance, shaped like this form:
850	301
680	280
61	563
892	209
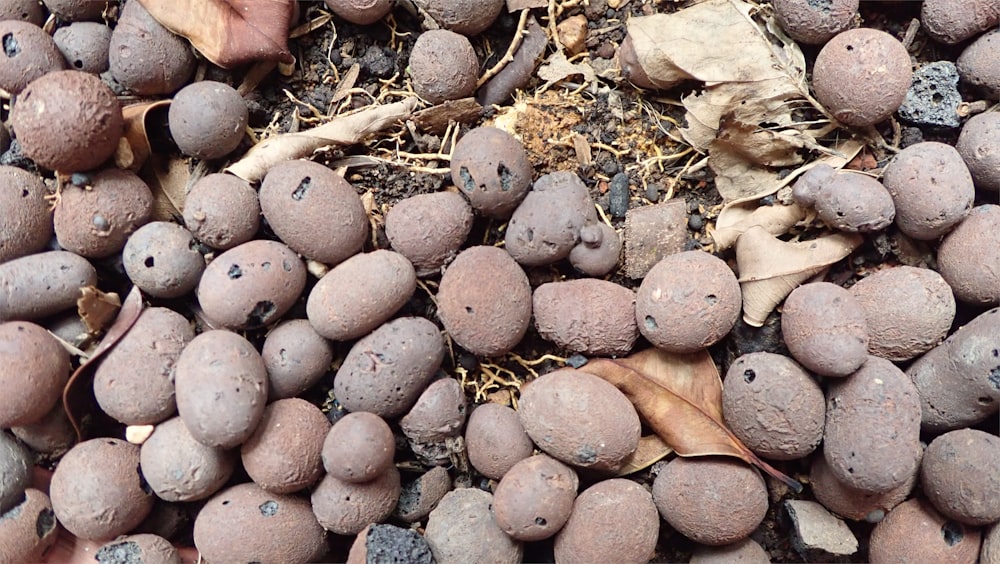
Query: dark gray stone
618	191
933	97
388	544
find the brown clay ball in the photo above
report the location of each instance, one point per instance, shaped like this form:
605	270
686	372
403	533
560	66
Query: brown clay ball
29	529
162	259
862	76
960	474
222	211
825	329
914	528
468	17
847	201
67	121
495	440
534	499
359	448
435	420
587	316
345	508
75	10
283	454
419	497
815	22
612	521
25	219
462	529
34	367
24	10
931	188
179	468
979	145
208	119
746	551
954	21
28	52
145	548
852	503
296	357
599	250
443	66
14	474
145	57
491	168
96	221
429	229
977	65
546	226
361	12
969	257
43	284
84	46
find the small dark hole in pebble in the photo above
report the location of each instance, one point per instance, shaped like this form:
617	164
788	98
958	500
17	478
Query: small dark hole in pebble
261	313
530	235
469	310
235	272
468	184
850	470
749	376
985	400
45	522
78	64
226	502
850	47
506	178
540	521
112	443
287	266
711	299
994	378
149	262
841	214
10	45
650	322
265	265
952	533
24	194
269	508
996	353
301	189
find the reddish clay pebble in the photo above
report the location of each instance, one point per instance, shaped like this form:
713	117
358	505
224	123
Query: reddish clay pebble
908	310
84	46
495	440
931	188
462	530
873	427
208	119
746	551
958	380
96	221
251	285
248	524
221	387
579	419
546	226
222	211
162	259
296	357
978	145
25	219
360	294
29	53
358	448
345	508
284	453
534	499
598	251
491	168
23	10
14	464
34	367
468	17
145	57
98	491
774	406
815	22
42	284
612	521
953	21
848	201
862	76
134	382
969	257
851	503
53	434
418	498
587	316
314	211
825	329
179	468
914	532
977	65
429	229
386	371
67	121
361	12
143	548
960	474
443	66
990	552
76	10
687	301
435	420
28	529
468	306
389	544
714	500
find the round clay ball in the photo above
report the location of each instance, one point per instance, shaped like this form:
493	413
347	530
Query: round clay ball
612	521
914	528
468	17
389	543
977	65
815	22
314	211
991	544
24	10
429	229
496	440
251	285
954	21
179	468
774	406
588	316
599	250
443	66
28	529
162	259
579	419
687	301
969	257
711	500
921	212
25	219
284	453
134	382
245	523
14	475
222	211
84	46
419	497
979	146
358	448
221	388
491	168
67	121
862	76
908	310
345	508
296	357
852	503
546	226
847	201
98	491
75	10
34	367
361	12
960	474
825	329
468	305
29	53
95	221
145	548
534	499
53	434
746	551
435	420
146	57
462	529
207	119
43	284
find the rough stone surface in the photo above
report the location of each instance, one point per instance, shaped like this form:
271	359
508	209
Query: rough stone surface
817	535
651	233
933	98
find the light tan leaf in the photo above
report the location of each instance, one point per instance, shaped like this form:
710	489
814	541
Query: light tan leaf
557	67
651	450
96	308
168	177
137	149
733	221
680	397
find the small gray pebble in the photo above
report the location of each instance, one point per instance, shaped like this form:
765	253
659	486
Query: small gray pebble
576	361
695	222
618	192
933	97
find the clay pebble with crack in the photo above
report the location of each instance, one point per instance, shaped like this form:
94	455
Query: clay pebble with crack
443	66
435	421
84	46
969	257
492	170
296	357
34	367
28	529
928	213
207	119
28	52
345	508
468	17
25	219
222	211
588	316
429	229
847	201
815	22
978	145
179	468
852	503
535	498
546	226
96	219
495	440
960	475
145	548
824	327
43	284
914	527
954	21
14	476
361	12
162	259
462	529
612	521
145	57
419	497
284	453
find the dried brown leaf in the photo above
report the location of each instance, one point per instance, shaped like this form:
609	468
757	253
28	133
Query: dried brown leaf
680	397
651	450
735	220
133	154
96	308
168	177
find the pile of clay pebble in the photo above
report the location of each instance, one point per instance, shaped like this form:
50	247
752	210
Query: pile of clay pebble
871	370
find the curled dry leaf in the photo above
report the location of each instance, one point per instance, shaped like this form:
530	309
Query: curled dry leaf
651	450
96	308
733	221
132	154
771	268
680	397
229	32
168	177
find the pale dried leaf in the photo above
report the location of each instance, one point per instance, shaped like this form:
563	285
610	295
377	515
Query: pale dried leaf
557	67
97	309
136	148
168	178
651	450
733	221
